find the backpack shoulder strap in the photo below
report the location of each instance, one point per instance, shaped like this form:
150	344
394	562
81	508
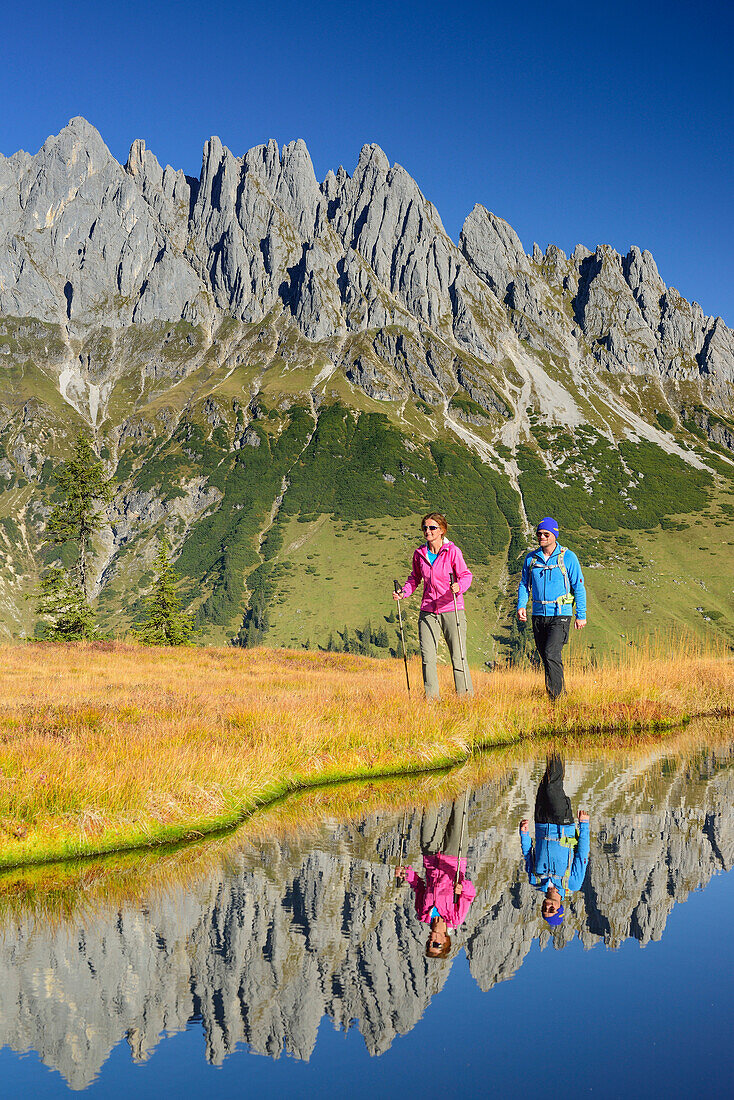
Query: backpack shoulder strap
566	598
571	843
562	567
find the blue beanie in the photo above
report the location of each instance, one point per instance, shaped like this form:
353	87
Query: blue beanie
548	524
556	919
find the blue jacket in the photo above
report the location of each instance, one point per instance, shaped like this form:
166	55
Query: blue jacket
547	864
548	583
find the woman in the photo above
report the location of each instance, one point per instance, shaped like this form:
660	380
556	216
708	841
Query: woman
441	566
443	898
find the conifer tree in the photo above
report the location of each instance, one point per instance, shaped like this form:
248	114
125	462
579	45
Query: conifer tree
59	597
165	622
85	491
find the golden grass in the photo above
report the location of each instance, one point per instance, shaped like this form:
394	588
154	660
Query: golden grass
110	746
54	894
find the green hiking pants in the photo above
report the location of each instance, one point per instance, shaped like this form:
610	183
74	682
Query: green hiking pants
430	628
439	834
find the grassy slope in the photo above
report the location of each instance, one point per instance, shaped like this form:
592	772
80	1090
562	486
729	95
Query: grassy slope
633	592
344	575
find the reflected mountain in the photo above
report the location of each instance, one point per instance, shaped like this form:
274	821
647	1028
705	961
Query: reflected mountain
292	929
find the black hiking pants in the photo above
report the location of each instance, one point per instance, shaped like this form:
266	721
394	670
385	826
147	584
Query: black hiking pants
552	804
551	634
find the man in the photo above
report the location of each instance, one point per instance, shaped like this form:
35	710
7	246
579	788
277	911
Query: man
552	576
560	858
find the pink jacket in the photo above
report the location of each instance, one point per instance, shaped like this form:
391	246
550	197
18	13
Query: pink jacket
438	890
437	595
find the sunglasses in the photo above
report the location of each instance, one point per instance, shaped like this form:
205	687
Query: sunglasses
544	534
430	527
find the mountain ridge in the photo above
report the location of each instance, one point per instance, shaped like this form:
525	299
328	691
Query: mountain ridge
172	315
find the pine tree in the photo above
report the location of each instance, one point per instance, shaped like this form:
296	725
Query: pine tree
165	622
85	492
257	620
61	599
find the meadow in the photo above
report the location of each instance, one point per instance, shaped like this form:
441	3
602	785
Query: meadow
111	746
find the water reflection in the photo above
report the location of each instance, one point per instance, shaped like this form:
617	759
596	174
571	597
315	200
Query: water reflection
295	927
443	896
556	863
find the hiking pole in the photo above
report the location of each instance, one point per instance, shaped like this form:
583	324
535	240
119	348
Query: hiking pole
461	839
398	588
454	580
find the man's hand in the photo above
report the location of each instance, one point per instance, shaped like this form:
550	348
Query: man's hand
522	614
524	825
580	624
583	816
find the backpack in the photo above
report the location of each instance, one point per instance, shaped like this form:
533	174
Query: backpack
562	601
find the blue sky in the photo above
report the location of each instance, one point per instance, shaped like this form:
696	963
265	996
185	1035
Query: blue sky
610	123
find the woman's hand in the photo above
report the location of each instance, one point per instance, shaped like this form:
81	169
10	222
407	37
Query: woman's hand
399	595
455	588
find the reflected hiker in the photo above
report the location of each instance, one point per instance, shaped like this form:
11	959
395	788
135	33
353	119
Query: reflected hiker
552	576
440	565
443	899
557	863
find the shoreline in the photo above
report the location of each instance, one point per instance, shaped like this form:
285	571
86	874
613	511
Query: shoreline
155	747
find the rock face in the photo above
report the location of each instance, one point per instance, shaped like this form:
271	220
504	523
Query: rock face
86	242
298	929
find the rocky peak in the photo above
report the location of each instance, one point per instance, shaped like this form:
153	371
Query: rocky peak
77	138
493	249
167	192
87	242
641	273
605	302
